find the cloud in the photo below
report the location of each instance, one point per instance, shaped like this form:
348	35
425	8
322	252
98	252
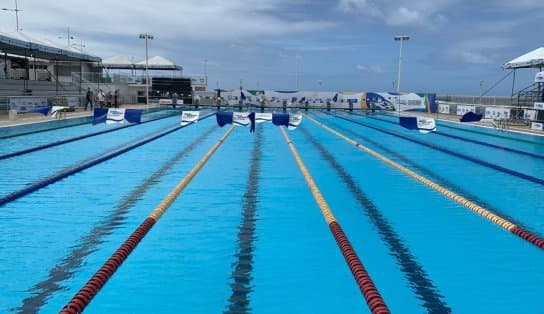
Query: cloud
423	13
207	20
377	69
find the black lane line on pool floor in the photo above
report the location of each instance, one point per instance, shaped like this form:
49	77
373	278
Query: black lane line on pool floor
73	139
33	187
464	139
416	275
242	268
430	174
449	151
89	243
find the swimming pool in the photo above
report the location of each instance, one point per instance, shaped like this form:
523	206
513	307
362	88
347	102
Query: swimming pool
246	234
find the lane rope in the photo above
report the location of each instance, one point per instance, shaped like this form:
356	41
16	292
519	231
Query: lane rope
84	296
73	139
371	294
448	151
504	223
466	139
68	172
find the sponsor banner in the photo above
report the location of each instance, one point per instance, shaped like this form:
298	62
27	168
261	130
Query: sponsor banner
241	118
199	80
462	109
263	117
423	124
188	117
426	125
115	115
444	109
111	115
26	104
529	114
497	113
165	101
539	105
537	126
294	121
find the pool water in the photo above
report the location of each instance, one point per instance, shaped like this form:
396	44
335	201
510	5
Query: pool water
246	235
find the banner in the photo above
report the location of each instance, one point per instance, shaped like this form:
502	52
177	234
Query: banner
116	115
539	105
188	117
290	121
497	113
537	126
462	109
26	104
444	109
422	124
263	117
529	114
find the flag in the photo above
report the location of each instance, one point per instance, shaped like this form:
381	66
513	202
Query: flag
42	109
470	117
242	96
188	117
115	115
424	125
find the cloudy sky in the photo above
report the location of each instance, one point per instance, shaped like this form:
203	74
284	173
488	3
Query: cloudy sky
339	44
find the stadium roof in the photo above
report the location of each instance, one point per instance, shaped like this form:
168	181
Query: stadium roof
22	44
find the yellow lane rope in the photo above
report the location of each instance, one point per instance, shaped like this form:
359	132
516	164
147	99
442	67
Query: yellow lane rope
457	198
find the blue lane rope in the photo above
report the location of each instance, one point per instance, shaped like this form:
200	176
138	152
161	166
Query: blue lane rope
61	175
73	139
465	139
447	151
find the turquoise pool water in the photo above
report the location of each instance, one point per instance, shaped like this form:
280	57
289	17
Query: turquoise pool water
246	234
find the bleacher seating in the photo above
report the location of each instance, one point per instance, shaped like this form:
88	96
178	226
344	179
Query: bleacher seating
37	88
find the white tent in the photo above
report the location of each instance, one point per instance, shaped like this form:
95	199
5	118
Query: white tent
159	63
117	62
532	59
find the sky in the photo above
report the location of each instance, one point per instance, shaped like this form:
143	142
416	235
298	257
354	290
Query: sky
455	46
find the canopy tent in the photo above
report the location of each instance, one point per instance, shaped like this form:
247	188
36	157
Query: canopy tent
159	63
22	44
155	63
118	62
532	59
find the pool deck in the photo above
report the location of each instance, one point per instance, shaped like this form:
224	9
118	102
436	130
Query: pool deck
36	117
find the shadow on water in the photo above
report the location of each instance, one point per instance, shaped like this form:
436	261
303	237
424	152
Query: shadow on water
89	243
418	279
242	267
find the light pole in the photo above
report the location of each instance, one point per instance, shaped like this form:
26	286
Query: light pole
146	36
481	92
68	37
16	10
400	38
